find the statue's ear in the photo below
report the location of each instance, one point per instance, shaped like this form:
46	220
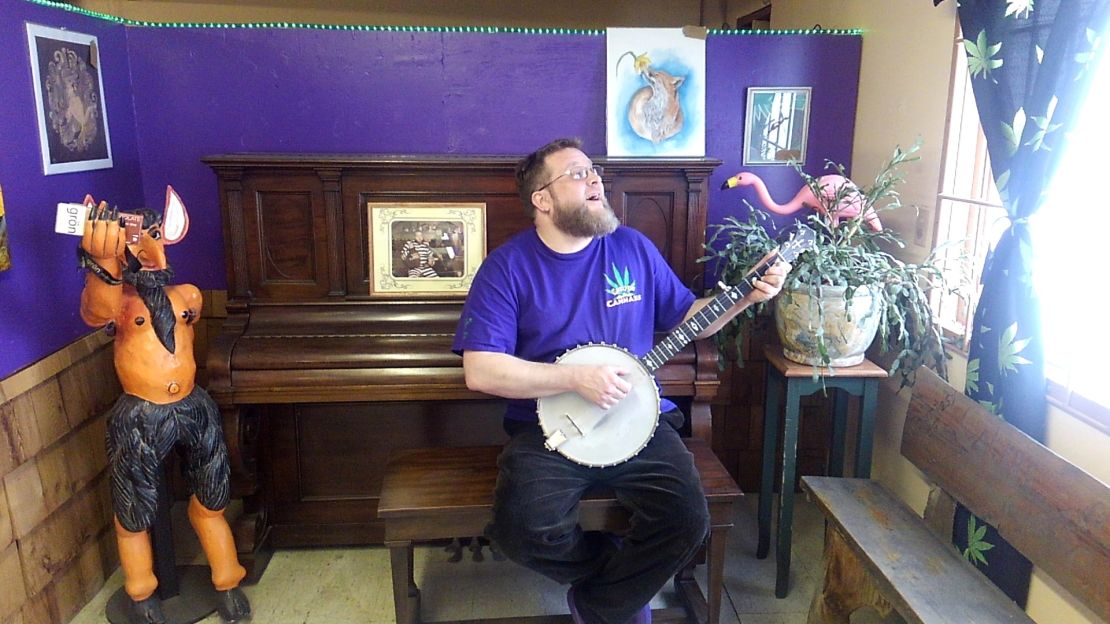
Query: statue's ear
175	219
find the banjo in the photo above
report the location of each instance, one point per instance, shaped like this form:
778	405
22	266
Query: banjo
591	436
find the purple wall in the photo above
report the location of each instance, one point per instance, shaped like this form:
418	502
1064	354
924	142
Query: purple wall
210	91
829	64
199	92
39	296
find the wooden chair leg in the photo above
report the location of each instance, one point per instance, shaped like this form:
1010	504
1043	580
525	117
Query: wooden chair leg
704	609
693	603
406	595
847	585
715	574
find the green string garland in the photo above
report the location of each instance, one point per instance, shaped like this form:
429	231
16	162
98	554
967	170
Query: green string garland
418	29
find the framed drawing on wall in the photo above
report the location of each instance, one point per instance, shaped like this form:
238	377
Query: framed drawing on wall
655	92
425	249
776	127
69	97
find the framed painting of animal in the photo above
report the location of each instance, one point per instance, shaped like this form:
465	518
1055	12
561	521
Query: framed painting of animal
425	249
655	100
776	125
69	96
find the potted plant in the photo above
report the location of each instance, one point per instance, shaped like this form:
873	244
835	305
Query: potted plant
846	273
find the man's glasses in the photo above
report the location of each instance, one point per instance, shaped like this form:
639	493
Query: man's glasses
579	173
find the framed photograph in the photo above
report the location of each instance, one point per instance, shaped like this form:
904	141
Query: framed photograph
425	249
69	97
776	129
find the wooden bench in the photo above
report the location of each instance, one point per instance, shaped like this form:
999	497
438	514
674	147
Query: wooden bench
438	493
879	553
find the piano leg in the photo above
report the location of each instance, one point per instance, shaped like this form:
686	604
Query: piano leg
701	421
252	539
252	528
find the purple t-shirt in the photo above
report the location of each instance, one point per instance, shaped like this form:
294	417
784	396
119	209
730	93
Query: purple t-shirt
533	303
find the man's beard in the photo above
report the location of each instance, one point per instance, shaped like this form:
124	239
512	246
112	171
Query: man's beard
580	221
150	287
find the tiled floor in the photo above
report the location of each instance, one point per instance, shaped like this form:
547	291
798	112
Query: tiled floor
352	585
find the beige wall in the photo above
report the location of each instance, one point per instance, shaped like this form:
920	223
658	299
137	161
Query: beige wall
904	76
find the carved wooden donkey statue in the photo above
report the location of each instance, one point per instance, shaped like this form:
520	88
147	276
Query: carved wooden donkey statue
162	407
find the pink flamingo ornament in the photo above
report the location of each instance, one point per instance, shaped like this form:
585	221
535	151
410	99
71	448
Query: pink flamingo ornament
849	207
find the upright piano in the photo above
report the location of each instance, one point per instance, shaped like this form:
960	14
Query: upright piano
318	375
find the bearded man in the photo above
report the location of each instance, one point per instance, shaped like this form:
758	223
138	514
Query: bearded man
578	277
162	407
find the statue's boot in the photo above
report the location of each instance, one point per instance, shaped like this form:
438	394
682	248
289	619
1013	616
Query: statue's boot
147	611
233	605
215	538
137	560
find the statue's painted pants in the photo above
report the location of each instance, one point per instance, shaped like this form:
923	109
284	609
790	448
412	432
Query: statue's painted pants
140	436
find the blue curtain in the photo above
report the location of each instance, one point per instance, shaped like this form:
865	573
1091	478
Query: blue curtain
1031	62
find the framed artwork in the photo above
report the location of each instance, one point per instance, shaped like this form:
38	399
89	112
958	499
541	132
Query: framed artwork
655	92
5	254
69	97
425	249
776	129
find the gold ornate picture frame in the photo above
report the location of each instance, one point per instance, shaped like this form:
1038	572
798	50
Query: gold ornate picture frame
425	249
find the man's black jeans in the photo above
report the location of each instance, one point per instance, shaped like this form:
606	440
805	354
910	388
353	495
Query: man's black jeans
535	518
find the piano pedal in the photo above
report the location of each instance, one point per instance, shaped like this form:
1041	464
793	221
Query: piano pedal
455	548
476	549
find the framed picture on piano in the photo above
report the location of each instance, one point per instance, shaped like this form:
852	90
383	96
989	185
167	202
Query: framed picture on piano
425	249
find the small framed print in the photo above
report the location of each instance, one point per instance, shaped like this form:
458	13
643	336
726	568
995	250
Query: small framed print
425	249
776	126
69	97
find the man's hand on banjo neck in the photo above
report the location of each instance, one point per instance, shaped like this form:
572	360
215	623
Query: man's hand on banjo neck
763	289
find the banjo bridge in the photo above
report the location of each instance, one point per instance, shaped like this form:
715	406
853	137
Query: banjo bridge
555	440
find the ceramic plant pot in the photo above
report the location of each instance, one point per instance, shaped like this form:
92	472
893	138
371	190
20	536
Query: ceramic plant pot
848	326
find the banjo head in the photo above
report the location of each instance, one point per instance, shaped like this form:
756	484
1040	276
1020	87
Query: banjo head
597	437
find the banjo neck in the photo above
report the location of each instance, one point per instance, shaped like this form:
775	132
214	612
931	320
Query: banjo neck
706	316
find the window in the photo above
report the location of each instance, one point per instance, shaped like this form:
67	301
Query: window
1068	233
1070	242
968	206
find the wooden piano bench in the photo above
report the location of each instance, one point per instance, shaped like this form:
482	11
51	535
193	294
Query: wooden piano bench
439	493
